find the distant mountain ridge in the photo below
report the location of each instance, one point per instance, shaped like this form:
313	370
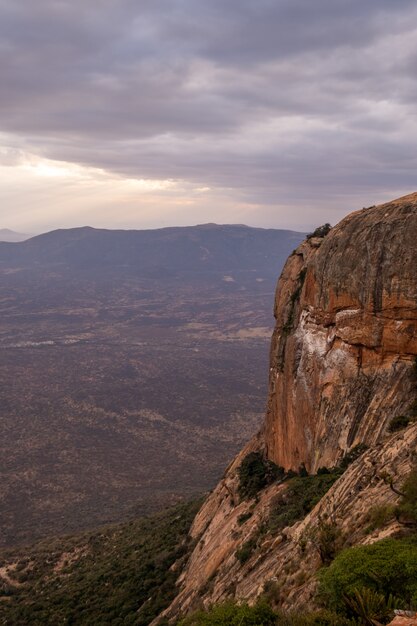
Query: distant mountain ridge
12	236
204	248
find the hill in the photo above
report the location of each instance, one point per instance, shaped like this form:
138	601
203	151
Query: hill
113	575
11	236
158	253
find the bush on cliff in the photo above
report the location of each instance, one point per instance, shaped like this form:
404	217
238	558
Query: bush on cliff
407	507
321	231
256	473
387	567
300	497
244	553
398	423
231	614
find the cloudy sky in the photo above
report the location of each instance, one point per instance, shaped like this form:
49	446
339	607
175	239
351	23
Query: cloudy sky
148	113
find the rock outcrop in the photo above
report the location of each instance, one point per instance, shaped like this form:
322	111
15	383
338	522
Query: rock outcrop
342	366
345	337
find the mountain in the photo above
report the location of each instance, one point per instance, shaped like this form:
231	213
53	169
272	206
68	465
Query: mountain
161	252
11	235
133	366
341	411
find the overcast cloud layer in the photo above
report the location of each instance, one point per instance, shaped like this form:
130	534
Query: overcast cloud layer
282	113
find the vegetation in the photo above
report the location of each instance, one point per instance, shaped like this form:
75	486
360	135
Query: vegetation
351	456
245	552
300	497
244	517
407	507
378	516
320	231
362	586
359	586
369	582
370	607
326	539
304	491
256	473
120	574
232	614
387	567
402	421
398	423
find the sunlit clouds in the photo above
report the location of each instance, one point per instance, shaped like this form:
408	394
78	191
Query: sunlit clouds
139	115
50	194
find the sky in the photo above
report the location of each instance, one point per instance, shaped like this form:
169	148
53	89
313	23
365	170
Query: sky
150	113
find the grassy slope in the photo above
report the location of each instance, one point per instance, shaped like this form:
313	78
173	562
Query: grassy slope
120	574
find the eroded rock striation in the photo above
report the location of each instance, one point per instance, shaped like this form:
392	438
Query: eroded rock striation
343	358
345	337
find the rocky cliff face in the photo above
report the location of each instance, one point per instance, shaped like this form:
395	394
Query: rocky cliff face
342	366
345	336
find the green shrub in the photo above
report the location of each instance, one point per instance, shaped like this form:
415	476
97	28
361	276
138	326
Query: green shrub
271	592
244	518
386	567
370	607
352	455
398	423
320	231
244	553
256	473
302	472
323	470
378	516
316	618
402	421
327	540
301	496
231	614
407	507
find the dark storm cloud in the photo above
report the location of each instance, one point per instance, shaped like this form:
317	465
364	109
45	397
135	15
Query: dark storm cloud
274	99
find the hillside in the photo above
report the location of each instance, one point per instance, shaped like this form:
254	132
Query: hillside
341	412
113	575
133	367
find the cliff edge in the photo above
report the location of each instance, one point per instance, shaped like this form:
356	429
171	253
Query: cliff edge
345	336
342	366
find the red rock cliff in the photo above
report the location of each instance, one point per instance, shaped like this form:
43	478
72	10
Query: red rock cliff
342	366
345	336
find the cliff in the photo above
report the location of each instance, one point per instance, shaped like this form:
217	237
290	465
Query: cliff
342	367
345	336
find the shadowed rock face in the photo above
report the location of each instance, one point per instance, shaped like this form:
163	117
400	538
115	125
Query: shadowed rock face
345	337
